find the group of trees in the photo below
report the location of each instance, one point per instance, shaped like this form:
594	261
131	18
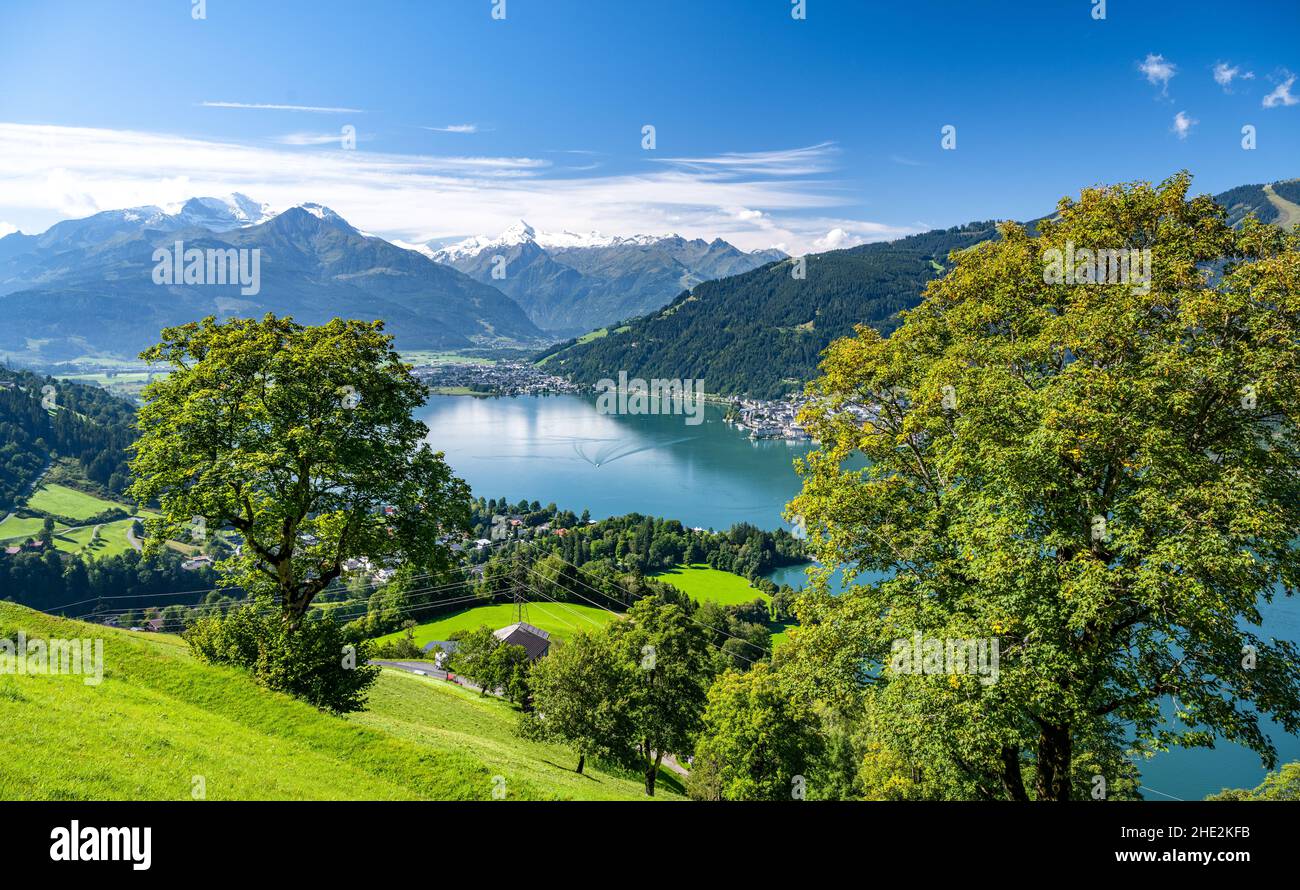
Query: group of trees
49	581
635	542
632	692
655	683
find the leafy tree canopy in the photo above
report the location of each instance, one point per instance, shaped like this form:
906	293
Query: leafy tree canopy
302	440
1100	477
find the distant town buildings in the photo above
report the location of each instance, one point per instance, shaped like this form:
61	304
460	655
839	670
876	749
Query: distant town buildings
503	378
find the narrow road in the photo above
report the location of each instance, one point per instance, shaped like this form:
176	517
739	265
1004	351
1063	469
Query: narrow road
424	669
136	543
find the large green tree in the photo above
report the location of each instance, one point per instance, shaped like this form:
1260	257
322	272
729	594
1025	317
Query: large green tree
671	669
758	742
301	439
1099	476
579	698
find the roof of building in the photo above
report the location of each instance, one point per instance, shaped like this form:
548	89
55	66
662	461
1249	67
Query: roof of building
535	641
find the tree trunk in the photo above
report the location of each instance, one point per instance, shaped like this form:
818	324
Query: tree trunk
1055	748
652	768
652	773
582	759
1012	782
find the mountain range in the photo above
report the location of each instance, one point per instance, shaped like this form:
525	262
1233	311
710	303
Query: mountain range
761	333
87	286
569	282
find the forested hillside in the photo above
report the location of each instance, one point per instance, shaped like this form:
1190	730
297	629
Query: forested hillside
85	423
761	333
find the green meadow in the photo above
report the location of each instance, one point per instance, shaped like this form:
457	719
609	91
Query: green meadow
163	726
60	500
560	620
702	582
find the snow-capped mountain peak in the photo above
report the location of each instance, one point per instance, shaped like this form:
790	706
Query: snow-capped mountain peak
320	211
521	232
234	211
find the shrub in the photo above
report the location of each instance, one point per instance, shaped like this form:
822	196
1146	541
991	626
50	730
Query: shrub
317	662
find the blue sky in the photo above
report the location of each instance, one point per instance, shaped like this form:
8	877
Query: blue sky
804	134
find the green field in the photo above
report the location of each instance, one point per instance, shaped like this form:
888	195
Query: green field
160	719
428	357
112	539
18	528
702	582
60	500
559	620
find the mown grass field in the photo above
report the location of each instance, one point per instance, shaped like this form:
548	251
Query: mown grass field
60	500
702	582
18	528
559	621
112	540
160	719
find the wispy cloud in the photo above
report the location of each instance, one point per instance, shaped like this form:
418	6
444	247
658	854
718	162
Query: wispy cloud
309	139
257	106
805	161
1225	74
1282	94
55	172
454	128
1183	124
1158	71
906	162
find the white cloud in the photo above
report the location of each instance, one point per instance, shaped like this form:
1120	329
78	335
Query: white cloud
309	139
454	128
753	200
1282	95
1158	71
257	106
834	240
7	228
1225	74
1183	124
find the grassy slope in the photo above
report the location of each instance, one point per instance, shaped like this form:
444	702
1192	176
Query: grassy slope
443	715
1288	213
63	501
159	718
560	621
702	582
